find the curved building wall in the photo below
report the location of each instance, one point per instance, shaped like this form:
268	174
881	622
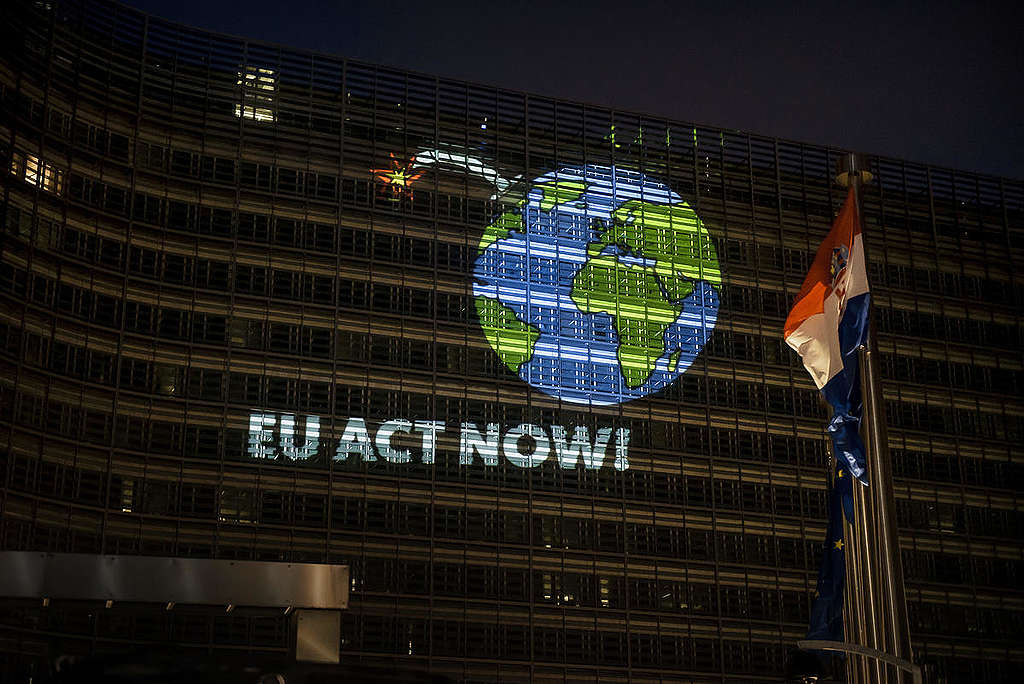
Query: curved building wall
223	279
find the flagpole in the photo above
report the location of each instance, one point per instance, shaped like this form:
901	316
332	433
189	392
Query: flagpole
883	602
864	585
853	604
832	318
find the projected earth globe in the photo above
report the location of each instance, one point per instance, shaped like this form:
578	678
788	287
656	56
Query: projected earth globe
601	287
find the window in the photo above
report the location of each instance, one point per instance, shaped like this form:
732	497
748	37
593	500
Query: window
236	505
35	172
127	495
257	94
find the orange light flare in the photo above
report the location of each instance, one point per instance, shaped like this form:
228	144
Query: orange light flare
400	177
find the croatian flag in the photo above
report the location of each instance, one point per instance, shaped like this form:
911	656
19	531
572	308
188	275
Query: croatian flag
827	325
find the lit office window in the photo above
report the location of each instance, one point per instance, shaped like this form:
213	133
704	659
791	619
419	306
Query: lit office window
258	89
34	171
127	495
236	505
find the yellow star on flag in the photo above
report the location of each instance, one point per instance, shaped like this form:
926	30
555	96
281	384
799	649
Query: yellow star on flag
838	544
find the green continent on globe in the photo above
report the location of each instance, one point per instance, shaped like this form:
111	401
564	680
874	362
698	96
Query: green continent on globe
631	295
502	226
510	337
559	192
644	300
671	234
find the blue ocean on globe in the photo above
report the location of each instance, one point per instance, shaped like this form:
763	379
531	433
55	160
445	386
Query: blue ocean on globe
530	269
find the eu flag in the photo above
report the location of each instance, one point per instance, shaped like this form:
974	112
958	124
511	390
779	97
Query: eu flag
827	611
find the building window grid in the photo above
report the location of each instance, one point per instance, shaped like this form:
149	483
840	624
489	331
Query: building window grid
997	290
732	653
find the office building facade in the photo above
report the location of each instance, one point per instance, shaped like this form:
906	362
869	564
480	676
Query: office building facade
517	361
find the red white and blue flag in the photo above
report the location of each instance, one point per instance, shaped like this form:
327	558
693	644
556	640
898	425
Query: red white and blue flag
827	326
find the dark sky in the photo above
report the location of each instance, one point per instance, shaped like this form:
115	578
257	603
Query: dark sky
935	82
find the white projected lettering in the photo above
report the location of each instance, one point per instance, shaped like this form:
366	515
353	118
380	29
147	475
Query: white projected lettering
288	438
383	441
429	429
473	443
285	436
512	446
621	447
581	448
355	439
271	434
261	434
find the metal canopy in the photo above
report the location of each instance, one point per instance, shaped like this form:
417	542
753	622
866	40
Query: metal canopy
76	576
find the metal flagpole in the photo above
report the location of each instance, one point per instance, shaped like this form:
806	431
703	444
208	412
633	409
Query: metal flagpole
866	587
897	636
853	595
881	594
865	519
861	576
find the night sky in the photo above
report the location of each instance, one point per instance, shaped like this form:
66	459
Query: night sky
933	82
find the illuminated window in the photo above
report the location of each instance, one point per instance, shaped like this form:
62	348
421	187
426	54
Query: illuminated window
236	505
127	495
258	89
34	171
605	592
547	581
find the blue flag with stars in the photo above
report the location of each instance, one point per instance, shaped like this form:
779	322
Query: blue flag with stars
827	611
